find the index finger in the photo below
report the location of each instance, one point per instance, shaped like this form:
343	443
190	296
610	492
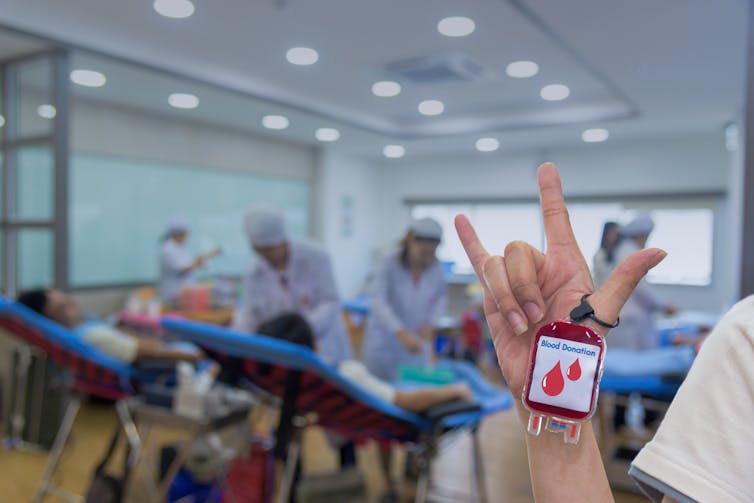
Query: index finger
471	243
557	225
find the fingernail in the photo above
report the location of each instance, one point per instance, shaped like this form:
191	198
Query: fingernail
517	322
533	312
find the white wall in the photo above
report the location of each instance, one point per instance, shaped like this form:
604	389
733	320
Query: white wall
118	131
669	166
348	234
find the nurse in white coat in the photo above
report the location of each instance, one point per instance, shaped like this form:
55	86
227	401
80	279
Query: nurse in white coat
637	329
177	263
290	276
407	299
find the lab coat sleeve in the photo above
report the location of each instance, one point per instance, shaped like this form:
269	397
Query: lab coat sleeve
379	305
439	306
645	295
328	302
244	320
176	261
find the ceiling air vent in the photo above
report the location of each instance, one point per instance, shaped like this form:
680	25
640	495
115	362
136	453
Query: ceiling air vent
437	68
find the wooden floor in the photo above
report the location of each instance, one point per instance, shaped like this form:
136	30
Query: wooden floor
504	454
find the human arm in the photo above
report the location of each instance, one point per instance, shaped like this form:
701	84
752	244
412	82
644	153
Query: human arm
197	263
244	318
702	448
646	296
416	400
439	300
523	290
326	303
151	349
412	342
379	301
437	308
422	399
129	348
381	309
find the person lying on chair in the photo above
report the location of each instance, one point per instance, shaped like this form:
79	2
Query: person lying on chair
292	327
128	348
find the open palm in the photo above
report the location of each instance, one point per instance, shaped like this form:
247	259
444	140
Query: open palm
525	288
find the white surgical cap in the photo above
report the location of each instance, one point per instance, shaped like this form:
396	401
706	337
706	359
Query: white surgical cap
265	227
177	225
642	225
426	228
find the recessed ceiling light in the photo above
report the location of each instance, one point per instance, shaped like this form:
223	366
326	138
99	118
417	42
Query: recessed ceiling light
183	100
302	56
456	26
487	144
47	111
275	121
177	9
431	107
522	69
394	151
554	92
386	88
327	134
595	135
2	121
88	78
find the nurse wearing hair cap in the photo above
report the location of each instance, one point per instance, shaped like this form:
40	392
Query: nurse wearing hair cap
637	329
407	299
177	263
290	276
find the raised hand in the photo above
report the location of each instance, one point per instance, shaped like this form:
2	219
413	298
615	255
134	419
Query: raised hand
525	288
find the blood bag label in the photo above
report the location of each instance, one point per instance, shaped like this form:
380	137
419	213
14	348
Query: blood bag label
564	373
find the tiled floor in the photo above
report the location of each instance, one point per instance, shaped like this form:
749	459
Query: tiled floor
504	454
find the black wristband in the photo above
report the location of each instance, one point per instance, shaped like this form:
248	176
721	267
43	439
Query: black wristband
585	310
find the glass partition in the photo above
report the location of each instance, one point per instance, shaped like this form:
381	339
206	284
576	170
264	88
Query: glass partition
33	162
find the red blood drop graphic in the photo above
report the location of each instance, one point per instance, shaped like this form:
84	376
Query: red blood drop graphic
552	382
574	371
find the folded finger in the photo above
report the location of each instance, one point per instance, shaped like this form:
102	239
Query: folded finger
522	261
496	279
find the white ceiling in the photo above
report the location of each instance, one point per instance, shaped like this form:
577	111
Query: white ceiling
641	68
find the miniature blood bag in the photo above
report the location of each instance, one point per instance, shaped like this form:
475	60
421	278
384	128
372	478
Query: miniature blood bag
563	379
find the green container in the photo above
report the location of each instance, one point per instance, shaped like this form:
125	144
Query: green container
426	375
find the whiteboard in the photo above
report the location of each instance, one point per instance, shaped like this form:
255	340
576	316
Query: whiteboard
119	208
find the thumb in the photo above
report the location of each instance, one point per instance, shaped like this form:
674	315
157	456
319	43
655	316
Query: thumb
609	299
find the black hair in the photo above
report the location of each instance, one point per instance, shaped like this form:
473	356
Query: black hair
36	300
289	327
610	252
404	246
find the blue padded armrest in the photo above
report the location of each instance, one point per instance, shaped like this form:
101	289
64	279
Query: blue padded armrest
645	385
489	398
66	339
